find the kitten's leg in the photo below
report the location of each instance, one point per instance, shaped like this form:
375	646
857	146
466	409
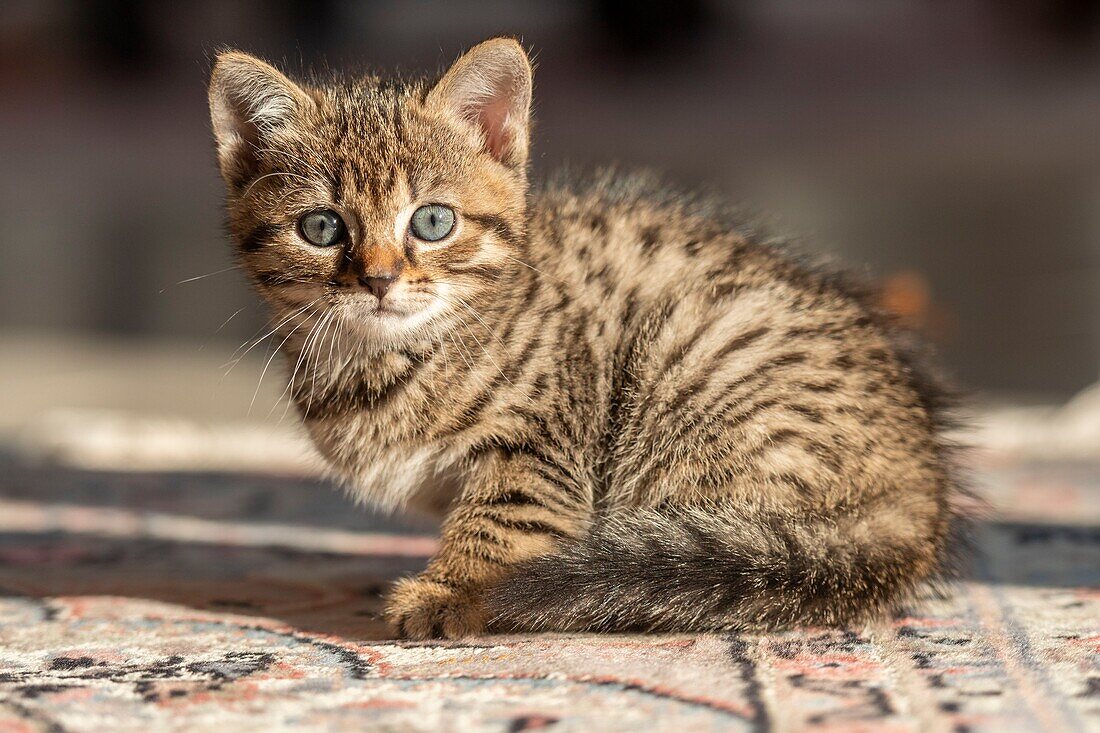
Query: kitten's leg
512	509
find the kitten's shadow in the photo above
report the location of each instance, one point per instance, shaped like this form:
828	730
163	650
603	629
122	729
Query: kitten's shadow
289	549
323	593
303	577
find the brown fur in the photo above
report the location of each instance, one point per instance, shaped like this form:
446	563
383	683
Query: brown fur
633	412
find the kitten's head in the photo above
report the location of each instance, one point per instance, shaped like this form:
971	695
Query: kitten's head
397	206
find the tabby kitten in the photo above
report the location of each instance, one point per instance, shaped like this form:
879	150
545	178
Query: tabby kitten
632	412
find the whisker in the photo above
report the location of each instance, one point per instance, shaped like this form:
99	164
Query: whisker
446	356
269	175
484	350
256	342
532	267
294	373
332	341
227	320
284	319
271	358
317	359
198	277
462	302
457	344
481	320
284	279
297	159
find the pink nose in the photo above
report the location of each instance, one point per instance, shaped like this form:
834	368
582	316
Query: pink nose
379	286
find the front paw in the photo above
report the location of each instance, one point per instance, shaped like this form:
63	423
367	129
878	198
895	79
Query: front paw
420	608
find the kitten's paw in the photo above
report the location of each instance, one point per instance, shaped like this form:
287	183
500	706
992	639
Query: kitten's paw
419	608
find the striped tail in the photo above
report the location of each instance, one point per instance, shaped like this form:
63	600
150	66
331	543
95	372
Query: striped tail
720	568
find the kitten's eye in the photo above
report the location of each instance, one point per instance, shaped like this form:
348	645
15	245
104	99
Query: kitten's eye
432	222
322	228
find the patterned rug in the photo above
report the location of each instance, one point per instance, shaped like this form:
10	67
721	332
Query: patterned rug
190	602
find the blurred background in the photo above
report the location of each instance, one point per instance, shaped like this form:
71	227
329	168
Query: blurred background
953	147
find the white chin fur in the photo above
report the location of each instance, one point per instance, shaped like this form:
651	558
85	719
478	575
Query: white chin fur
380	328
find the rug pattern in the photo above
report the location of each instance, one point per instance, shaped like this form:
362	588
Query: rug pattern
138	602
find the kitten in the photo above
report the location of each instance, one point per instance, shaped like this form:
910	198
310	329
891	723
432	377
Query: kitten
633	413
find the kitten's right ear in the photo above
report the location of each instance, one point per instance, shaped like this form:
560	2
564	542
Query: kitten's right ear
489	89
250	102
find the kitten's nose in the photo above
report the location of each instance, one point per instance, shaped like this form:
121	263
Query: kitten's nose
376	272
379	286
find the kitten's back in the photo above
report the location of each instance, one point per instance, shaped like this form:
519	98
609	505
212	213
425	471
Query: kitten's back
765	437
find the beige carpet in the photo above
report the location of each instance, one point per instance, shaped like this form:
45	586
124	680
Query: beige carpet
143	600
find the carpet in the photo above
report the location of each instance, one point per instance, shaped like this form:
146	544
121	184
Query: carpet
221	601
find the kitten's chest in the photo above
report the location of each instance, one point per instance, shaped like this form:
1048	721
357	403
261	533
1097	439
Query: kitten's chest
394	430
383	473
385	459
389	478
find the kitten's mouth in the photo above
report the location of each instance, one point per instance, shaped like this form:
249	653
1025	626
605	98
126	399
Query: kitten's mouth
384	310
389	315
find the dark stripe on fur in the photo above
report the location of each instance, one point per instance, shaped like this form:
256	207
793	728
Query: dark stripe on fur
485	270
496	224
650	237
514	497
365	396
257	238
700	383
530	526
743	341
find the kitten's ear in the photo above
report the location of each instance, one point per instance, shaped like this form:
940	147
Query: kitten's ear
489	87
250	101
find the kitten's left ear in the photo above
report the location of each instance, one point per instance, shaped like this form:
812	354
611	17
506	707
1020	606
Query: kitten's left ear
489	88
251	103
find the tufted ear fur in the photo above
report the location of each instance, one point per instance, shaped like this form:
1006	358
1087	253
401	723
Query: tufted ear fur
489	89
250	102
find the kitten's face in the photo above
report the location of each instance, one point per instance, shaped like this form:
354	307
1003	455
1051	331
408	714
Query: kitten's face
394	208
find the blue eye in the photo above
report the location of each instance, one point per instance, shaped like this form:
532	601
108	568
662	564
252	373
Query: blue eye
322	228
432	222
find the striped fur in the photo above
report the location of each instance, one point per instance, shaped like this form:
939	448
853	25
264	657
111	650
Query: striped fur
632	410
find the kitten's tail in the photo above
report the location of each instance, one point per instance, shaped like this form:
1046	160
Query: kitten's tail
720	568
